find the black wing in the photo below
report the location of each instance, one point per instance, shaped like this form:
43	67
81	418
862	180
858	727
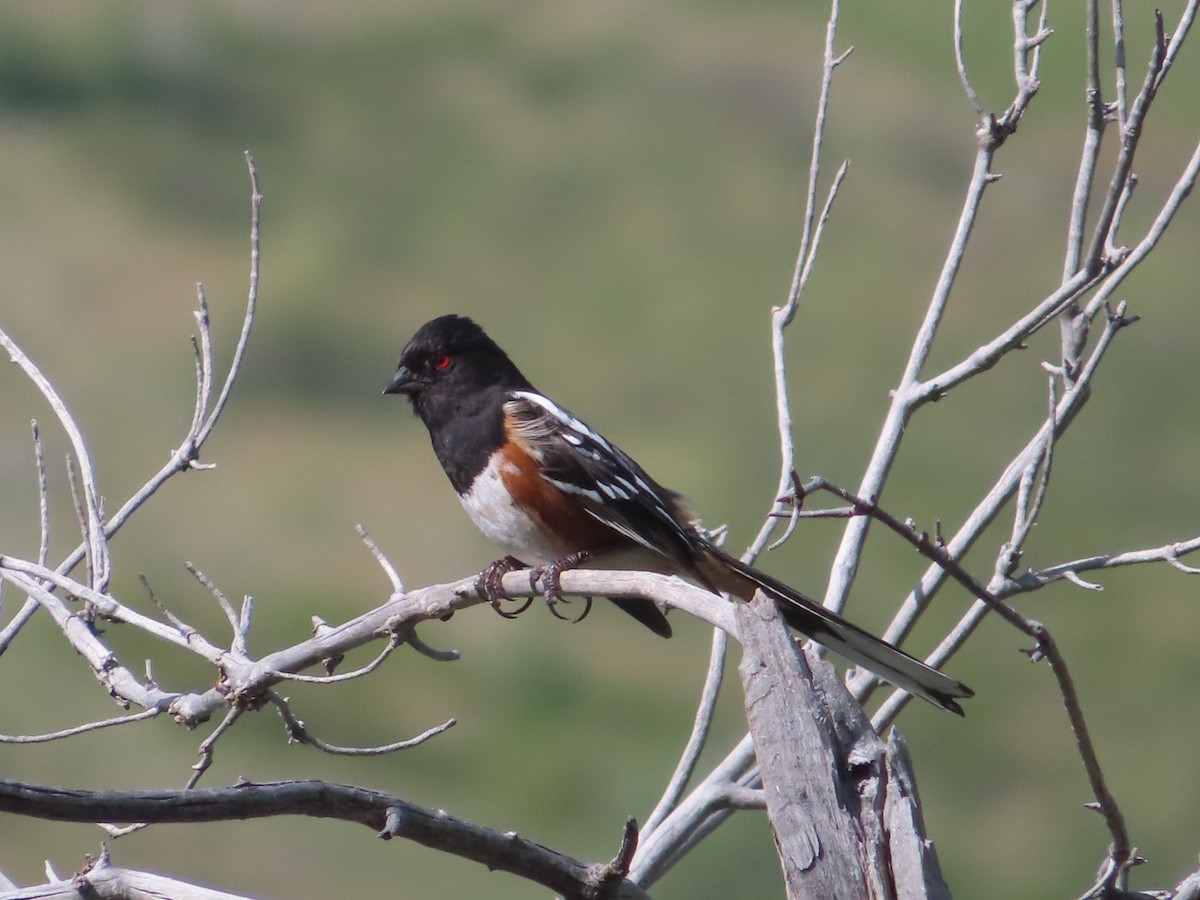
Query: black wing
614	489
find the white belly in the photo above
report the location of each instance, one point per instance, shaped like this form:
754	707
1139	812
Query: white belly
491	509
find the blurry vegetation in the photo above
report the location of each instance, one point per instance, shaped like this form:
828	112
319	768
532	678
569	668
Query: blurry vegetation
613	190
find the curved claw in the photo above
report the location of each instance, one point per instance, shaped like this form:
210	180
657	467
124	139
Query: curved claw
490	585
516	612
551	591
587	608
549	575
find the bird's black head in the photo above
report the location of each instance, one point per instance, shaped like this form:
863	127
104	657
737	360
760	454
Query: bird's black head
450	365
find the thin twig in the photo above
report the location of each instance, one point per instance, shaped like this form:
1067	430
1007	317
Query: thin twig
1178	35
81	516
984	357
239	351
887	446
344	676
181	626
809	239
1182	188
206	746
1120	79
1093	134
384	563
1031	491
1034	579
960	61
408	634
241	634
781	317
218	595
298	733
43	498
704	809
701	725
96	540
1102	235
78	729
204	359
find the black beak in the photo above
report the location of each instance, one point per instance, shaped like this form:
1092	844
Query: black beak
403	382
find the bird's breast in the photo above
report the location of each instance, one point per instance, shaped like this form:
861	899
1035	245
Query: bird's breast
495	512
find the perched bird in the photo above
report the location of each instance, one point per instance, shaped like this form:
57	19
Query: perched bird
554	494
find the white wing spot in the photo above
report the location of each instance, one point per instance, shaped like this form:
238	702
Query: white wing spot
570	488
613	491
625	483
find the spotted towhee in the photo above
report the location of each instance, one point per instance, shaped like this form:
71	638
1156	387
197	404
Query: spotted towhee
553	494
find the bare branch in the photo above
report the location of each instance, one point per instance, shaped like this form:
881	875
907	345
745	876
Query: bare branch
217	594
113	882
999	494
181	626
701	725
845	564
960	62
810	236
78	729
1179	193
782	316
1079	582
1031	492
1039	578
1121	852
298	733
1118	23
395	641
1093	134
187	454
702	811
239	352
206	746
384	563
103	605
43	500
121	683
408	634
1178	35
96	541
386	815
204	360
1161	59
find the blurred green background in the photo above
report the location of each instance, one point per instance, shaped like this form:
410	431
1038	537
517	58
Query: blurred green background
614	190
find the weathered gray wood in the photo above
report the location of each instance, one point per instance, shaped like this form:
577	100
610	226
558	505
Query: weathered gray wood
914	861
834	790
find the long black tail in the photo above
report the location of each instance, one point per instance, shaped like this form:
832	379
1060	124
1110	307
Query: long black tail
844	638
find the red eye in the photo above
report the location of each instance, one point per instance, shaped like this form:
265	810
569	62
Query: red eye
442	362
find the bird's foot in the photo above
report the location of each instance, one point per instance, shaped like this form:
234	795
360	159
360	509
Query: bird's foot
490	585
550	573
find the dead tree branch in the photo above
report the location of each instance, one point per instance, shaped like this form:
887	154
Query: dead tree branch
387	815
